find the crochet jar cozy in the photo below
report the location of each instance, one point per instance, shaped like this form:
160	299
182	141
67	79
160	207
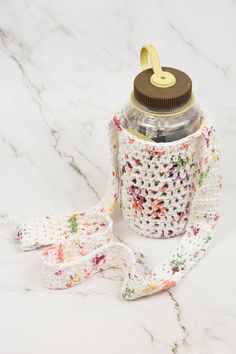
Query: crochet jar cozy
165	175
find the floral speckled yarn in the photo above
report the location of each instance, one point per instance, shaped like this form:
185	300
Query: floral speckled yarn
157	184
165	190
91	229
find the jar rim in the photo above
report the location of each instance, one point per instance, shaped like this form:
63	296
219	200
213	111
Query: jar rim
159	113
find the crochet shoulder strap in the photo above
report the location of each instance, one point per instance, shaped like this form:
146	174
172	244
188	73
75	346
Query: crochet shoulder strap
202	219
83	240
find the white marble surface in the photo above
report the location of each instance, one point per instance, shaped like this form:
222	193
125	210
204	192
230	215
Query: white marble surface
65	66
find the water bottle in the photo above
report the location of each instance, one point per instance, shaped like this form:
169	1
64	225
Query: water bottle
162	106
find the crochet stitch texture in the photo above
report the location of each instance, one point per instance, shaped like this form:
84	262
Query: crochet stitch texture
165	190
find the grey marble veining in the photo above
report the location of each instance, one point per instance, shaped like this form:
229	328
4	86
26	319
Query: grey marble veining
65	67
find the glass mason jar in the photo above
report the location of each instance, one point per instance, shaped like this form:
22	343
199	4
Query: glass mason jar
162	107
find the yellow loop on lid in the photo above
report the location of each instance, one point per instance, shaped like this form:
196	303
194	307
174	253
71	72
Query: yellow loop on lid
160	78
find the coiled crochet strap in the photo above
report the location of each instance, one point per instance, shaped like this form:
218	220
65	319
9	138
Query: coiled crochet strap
77	257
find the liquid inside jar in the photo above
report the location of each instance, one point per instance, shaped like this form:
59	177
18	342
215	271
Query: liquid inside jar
160	128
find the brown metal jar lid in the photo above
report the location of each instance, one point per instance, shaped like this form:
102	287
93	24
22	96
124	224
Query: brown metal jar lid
162	98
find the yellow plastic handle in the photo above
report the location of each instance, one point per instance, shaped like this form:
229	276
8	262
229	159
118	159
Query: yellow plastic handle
160	78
